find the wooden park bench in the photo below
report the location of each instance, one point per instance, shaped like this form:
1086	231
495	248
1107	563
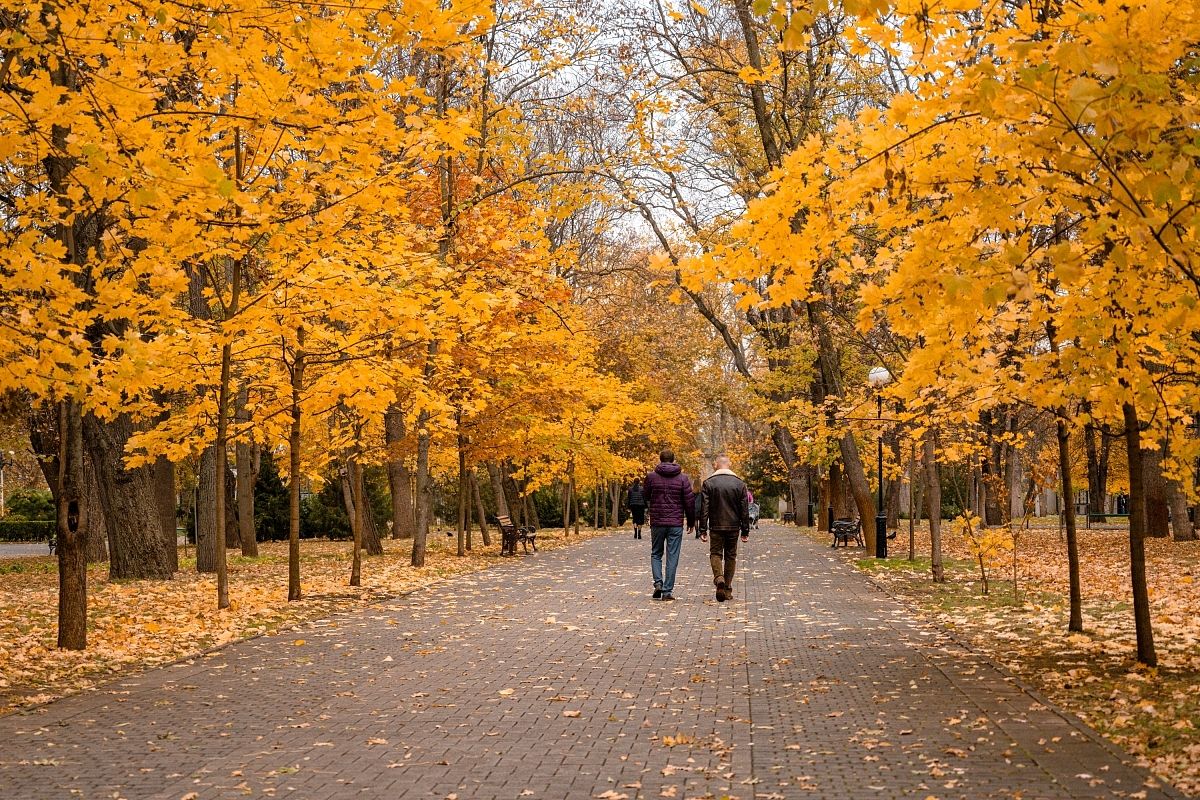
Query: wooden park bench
845	530
511	534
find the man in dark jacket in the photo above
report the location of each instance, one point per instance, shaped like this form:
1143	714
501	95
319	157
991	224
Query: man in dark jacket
724	510
671	501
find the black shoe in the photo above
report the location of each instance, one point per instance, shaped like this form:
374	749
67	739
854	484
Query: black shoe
720	591
657	593
668	596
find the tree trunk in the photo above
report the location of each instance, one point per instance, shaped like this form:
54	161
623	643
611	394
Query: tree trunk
72	529
424	492
294	444
913	503
97	533
1068	490
462	488
568	496
354	490
531	515
1181	526
129	502
990	477
512	495
824	499
1137	544
404	520
758	101
1095	494
45	443
480	512
232	524
933	494
206	512
892	500
246	461
166	502
837	492
798	479
372	542
1155	488
498	490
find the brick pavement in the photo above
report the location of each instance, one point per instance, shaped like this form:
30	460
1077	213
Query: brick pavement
555	676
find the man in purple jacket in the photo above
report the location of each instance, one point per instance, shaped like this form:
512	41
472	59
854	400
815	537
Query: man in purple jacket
670	501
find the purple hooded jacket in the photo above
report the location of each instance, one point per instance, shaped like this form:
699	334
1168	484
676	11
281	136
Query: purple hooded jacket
669	496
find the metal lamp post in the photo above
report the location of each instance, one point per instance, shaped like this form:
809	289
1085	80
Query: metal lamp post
6	461
879	377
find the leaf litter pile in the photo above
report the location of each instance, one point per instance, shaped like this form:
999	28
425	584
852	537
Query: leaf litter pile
1152	713
133	625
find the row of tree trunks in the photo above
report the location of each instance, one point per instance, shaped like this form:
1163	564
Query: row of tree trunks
358	508
142	501
827	358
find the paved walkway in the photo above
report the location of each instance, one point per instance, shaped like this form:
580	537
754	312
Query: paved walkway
556	676
23	549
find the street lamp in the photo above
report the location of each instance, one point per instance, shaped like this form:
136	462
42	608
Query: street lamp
879	377
6	460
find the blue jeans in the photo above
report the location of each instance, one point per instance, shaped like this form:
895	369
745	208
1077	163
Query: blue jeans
669	537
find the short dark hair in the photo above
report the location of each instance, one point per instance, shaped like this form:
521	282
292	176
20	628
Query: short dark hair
666	456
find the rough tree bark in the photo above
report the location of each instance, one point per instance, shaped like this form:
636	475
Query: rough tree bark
206	512
424	491
1068	489
480	511
1154	484
404	519
136	542
232	524
498	489
166	502
247	462
294	444
97	533
71	523
1137	532
851	463
1181	526
1097	467
933	495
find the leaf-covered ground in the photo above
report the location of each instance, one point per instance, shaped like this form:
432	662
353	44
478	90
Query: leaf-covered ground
1152	713
136	624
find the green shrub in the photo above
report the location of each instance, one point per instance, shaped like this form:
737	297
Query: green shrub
24	530
30	504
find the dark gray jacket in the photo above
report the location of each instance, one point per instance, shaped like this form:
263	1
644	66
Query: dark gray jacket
724	505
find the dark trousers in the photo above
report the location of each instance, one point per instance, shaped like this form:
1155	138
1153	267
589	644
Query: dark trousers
722	555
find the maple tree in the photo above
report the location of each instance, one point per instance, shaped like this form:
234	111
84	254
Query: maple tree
1022	222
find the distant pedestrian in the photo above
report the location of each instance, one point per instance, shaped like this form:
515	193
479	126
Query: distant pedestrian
724	515
635	501
671	502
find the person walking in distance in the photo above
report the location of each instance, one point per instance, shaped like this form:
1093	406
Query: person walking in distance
724	515
671	502
635	501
